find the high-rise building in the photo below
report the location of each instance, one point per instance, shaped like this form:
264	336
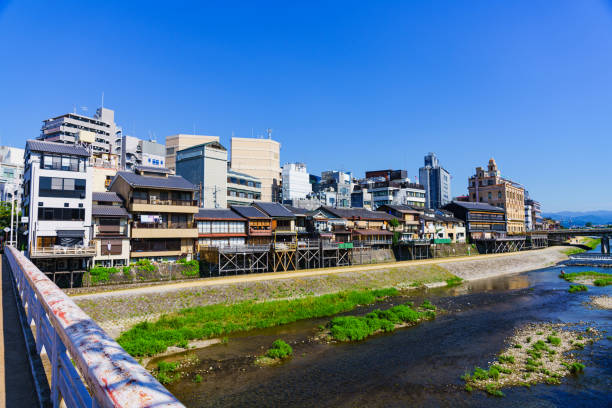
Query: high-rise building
181	141
11	172
205	166
296	182
99	132
259	158
338	186
489	186
437	182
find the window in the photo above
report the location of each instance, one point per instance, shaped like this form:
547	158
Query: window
61	214
490	195
499	195
61	187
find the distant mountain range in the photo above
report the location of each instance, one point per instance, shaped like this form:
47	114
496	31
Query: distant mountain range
580	218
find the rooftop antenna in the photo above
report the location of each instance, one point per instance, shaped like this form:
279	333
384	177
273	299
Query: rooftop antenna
102	99
74	108
269	132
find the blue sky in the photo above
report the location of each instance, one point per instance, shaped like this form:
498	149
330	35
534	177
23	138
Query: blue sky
344	85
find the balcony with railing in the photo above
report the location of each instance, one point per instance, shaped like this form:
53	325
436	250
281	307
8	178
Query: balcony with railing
164	229
158	201
57	251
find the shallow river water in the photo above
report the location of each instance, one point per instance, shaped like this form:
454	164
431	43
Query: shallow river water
418	366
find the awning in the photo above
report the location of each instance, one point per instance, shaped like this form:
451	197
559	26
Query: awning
70	233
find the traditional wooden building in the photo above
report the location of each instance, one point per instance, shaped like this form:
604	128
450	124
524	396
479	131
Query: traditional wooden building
220	227
259	225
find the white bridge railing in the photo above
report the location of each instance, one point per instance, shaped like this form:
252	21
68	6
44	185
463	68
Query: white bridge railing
88	367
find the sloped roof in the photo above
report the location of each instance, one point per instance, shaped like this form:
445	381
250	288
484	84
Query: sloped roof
108	211
170	182
218	214
153	169
477	206
360	213
58	148
274	209
296	211
106	196
402	208
248	211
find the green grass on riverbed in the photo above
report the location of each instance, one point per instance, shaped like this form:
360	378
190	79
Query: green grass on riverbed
599	278
590	242
202	322
355	328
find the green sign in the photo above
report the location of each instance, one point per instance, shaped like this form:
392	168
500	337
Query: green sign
442	241
346	245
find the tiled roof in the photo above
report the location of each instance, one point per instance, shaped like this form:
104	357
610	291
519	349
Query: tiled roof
218	213
109	197
108	211
153	169
170	182
477	206
59	148
371	232
248	212
274	209
296	211
403	208
361	213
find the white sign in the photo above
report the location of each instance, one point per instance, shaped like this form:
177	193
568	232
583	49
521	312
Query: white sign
6	229
24	220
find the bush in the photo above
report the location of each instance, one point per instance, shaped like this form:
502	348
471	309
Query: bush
126	271
555	341
101	274
279	350
427	305
192	268
166	372
145	265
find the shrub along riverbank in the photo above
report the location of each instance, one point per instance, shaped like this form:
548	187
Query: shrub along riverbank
202	322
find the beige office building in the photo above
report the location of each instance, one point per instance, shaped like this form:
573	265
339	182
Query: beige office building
178	142
259	158
489	187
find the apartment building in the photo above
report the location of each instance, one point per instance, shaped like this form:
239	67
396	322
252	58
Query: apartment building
259	158
336	188
57	204
99	133
205	165
11	173
533	214
242	189
181	141
482	220
437	182
110	230
296	182
489	187
163	208
220	227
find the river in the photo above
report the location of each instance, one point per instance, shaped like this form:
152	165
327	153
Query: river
418	366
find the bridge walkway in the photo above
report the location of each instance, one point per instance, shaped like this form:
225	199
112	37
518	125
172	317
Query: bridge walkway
17	387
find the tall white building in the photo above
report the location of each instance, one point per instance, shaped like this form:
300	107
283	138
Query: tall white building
57	203
11	172
296	182
437	182
99	132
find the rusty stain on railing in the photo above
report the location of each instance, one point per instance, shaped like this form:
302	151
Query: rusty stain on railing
112	377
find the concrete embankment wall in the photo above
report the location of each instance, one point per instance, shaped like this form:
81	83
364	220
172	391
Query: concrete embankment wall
116	311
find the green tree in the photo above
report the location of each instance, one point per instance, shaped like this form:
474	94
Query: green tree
393	224
588	224
5	214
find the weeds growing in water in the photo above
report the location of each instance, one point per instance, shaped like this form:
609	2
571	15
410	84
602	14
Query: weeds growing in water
166	372
494	391
147	339
577	288
574	368
279	350
555	341
197	378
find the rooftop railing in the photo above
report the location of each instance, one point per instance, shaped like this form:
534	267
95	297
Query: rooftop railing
58	250
88	367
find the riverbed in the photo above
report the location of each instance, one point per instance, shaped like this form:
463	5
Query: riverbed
417	366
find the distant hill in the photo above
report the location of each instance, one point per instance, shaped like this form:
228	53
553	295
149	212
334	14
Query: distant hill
580	218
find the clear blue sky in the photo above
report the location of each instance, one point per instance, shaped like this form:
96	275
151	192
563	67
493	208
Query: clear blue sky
344	85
